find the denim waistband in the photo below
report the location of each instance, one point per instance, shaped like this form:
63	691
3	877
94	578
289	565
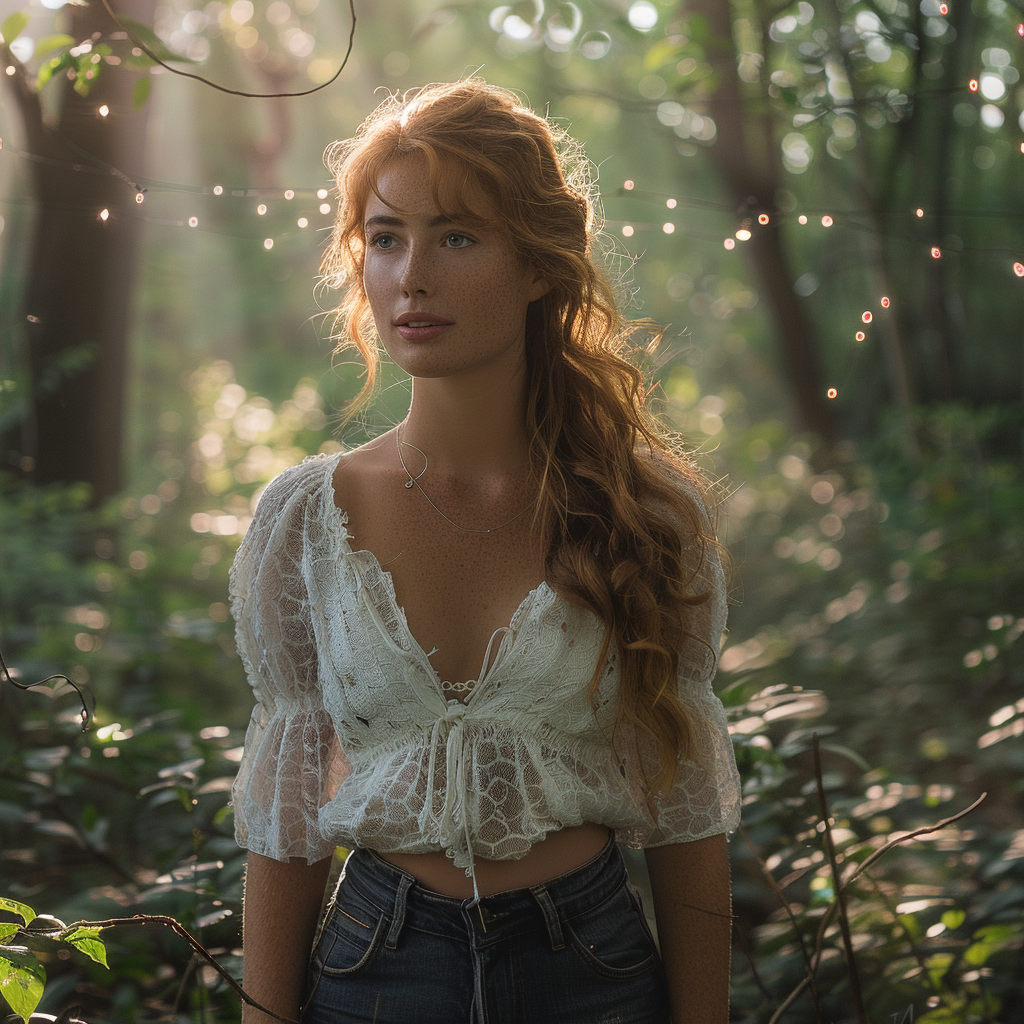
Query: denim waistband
404	901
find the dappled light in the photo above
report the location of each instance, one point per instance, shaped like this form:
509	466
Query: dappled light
820	201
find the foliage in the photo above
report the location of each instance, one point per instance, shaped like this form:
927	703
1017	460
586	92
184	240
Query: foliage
84	62
882	605
881	580
131	817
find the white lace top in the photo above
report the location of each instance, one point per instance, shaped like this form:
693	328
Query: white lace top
353	742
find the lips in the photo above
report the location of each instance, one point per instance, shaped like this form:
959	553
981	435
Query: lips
419	325
421	318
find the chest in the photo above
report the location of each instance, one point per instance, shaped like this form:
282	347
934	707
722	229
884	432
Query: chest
455	585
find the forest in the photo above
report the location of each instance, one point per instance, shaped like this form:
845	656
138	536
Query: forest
822	200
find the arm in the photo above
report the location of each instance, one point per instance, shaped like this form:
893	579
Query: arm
281	910
692	906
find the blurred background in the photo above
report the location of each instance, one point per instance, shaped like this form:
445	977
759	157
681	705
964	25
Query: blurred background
825	204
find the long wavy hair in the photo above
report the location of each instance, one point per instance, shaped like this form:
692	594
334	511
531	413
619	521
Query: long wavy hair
620	533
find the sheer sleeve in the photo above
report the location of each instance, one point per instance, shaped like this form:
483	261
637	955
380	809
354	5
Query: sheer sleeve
705	798
292	763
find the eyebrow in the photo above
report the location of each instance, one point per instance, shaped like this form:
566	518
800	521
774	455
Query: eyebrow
392	221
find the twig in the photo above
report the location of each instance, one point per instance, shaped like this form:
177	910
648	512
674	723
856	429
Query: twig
913	835
777	889
236	92
167	922
844	918
827	918
87	703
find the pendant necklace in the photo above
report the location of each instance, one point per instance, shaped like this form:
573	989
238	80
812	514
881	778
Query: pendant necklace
415	481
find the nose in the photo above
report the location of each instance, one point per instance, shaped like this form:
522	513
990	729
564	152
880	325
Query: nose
415	273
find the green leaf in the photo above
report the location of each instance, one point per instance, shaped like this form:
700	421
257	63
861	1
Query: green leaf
89	817
141	91
27	914
7	931
952	919
977	953
153	42
89	942
50	43
13	26
21	981
661	53
48	69
700	29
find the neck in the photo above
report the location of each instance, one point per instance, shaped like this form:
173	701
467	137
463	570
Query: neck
469	432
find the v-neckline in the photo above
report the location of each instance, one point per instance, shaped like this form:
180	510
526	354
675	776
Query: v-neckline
416	648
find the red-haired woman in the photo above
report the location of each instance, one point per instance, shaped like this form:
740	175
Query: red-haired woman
481	751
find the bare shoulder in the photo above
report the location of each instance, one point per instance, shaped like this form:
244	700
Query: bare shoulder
360	468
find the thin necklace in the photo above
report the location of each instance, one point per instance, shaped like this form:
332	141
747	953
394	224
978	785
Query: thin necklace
416	480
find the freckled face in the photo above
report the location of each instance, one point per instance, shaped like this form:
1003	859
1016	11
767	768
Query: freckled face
448	297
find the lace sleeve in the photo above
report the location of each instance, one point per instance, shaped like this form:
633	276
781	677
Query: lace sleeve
705	799
292	763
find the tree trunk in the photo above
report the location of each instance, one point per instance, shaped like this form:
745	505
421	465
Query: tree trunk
81	269
753	188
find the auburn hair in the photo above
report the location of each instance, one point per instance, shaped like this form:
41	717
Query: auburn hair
619	532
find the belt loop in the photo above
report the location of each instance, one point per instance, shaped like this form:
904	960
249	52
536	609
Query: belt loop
547	906
398	913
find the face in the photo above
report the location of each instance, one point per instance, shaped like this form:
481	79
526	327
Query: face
448	297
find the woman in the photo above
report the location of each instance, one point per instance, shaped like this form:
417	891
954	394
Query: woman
479	750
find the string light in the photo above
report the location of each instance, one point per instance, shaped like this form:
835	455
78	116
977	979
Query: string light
140	198
289	194
218	190
302	222
973	85
325	208
628	185
104	215
826	221
859	336
762	218
104	110
866	316
321	193
193	222
627	230
802	218
268	243
261	209
885	301
943	9
668	227
1018	269
936	252
832	392
743	234
670	203
730	243
919	212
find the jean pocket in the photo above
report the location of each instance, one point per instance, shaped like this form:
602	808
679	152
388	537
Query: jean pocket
613	939
351	935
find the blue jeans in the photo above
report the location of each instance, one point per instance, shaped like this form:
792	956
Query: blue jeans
574	950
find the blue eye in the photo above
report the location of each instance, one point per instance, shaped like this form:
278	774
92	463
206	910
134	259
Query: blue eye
458	241
382	241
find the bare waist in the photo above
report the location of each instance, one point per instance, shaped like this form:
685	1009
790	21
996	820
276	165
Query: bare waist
556	854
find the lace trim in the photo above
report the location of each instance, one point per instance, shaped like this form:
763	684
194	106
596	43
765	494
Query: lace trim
481	768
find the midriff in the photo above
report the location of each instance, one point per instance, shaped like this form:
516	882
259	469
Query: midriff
556	854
